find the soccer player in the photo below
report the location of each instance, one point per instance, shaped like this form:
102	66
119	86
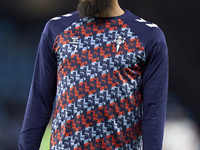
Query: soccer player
108	72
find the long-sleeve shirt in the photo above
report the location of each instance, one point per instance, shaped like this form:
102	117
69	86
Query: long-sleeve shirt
109	78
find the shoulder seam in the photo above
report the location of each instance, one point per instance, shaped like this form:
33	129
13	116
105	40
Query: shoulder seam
52	42
64	30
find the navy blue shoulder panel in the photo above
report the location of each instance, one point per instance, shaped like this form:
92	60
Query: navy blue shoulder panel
147	32
57	24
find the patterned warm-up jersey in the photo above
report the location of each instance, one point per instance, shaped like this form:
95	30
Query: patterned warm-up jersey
98	100
109	80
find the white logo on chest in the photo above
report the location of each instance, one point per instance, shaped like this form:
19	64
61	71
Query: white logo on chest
119	41
74	42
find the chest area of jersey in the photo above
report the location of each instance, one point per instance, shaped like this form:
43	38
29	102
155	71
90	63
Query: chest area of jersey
109	44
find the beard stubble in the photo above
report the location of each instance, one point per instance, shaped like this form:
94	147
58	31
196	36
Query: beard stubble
89	8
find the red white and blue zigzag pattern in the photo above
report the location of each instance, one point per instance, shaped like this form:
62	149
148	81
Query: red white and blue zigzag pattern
98	102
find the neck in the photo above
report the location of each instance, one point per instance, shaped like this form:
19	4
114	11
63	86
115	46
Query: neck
113	11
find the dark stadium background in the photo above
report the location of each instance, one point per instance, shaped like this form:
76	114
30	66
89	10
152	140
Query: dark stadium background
21	24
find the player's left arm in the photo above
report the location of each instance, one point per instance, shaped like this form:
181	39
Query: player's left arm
154	92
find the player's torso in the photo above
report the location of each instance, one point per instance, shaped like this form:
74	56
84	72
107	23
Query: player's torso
98	103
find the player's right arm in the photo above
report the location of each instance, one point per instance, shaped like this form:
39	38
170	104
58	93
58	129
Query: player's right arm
41	96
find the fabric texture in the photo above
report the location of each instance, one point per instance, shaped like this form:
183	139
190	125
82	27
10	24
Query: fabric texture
109	78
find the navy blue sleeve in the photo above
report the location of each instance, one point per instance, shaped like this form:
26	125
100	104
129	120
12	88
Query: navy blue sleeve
155	89
41	96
